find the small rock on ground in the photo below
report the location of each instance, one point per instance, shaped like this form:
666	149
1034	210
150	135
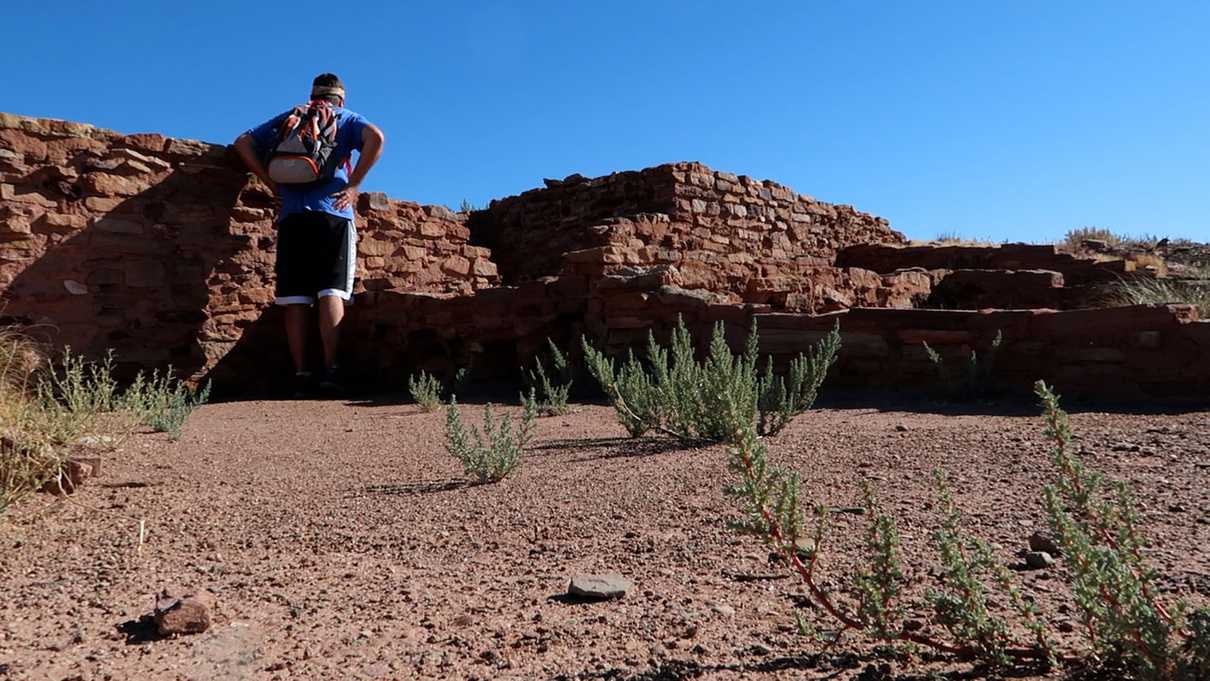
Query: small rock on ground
1038	560
188	614
599	587
1041	541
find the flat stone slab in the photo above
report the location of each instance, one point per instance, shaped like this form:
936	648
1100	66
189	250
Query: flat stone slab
599	587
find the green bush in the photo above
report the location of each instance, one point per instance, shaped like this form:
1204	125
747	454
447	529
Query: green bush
428	391
702	401
550	396
1097	525
972	579
769	497
162	403
490	454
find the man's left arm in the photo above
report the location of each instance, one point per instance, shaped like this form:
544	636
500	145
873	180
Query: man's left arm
372	140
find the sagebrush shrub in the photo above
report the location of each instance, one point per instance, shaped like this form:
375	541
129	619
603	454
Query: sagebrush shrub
770	499
698	401
1097	524
963	603
490	454
1098	531
552	391
162	402
425	390
429	392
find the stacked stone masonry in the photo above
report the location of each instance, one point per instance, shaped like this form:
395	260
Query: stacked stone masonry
162	250
752	240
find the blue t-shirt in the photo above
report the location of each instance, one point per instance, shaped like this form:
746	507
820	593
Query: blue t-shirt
317	196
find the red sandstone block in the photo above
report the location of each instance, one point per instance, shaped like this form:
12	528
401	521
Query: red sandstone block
432	230
374	247
485	268
113	185
10	192
456	264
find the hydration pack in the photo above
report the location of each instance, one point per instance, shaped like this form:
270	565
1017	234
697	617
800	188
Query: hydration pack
306	144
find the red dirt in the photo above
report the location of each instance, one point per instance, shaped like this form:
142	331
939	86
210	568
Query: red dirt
332	556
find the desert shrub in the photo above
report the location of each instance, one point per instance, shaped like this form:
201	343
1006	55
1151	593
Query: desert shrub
428	391
1195	653
780	399
972	380
1096	523
162	402
84	391
490	454
964	604
32	431
1149	291
27	459
550	396
697	401
1074	239
425	390
770	499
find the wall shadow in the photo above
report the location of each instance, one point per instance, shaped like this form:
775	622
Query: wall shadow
137	278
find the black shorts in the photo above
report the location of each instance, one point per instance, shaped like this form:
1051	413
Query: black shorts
316	257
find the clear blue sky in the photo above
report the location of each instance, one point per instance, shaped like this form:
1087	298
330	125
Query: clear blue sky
1010	120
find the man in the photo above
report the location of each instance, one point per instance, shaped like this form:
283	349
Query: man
316	238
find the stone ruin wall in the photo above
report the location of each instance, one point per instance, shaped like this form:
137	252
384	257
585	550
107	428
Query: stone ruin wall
162	250
750	241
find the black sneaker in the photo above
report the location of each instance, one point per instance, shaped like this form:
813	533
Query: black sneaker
332	381
304	384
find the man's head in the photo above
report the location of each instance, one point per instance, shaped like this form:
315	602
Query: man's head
327	86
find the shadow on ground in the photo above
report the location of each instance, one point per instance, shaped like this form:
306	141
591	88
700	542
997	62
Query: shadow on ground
828	666
610	447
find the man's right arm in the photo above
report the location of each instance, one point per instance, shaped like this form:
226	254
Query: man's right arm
245	146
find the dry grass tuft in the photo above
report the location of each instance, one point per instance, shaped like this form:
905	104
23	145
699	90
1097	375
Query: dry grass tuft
28	429
1147	291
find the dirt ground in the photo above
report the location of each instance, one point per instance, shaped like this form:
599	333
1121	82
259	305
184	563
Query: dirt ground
335	550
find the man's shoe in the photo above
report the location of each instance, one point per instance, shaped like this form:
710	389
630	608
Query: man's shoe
304	384
332	382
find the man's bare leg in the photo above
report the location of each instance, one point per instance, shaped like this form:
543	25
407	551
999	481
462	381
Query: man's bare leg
296	334
331	313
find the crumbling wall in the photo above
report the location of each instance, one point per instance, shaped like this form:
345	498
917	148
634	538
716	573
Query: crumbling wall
162	249
748	240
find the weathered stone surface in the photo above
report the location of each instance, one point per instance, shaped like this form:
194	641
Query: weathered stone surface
189	613
1038	560
73	474
163	251
599	587
144	242
1044	542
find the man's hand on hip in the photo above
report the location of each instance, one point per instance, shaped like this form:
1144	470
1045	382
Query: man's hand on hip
345	197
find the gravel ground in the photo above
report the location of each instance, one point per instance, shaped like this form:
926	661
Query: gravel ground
337	548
